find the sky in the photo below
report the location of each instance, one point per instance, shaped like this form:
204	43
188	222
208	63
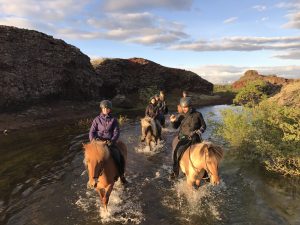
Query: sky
217	39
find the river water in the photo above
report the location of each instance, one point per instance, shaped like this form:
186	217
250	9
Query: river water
43	181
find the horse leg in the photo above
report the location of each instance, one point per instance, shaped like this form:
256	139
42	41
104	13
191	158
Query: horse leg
104	195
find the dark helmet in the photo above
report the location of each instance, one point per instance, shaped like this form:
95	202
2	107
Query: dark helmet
156	96
185	102
106	104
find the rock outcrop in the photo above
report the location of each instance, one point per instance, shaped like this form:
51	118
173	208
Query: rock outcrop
127	76
252	75
35	67
289	95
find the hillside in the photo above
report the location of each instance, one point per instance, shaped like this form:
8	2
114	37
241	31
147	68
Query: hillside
289	95
35	68
253	75
130	76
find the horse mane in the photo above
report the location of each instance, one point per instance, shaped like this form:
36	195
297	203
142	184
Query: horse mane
97	148
213	150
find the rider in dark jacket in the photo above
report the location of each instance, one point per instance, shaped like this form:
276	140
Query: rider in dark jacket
153	113
192	125
152	110
106	128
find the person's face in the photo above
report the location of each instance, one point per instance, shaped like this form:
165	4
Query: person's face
185	109
153	100
106	111
184	94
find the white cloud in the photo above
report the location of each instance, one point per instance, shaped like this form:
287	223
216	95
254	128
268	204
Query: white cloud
241	44
260	8
230	20
293	13
222	74
133	5
45	10
290	55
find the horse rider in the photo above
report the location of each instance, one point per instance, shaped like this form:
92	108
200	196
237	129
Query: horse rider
164	108
152	113
192	125
160	109
106	128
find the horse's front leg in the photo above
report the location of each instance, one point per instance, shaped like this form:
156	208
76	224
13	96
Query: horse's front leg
105	194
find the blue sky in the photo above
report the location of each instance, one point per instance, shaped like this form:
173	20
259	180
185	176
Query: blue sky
217	39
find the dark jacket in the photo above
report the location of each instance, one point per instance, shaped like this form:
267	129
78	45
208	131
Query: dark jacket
189	122
105	127
151	111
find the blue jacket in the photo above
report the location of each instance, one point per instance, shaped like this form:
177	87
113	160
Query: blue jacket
105	127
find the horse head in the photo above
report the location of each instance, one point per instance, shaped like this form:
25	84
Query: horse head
150	130
96	153
211	156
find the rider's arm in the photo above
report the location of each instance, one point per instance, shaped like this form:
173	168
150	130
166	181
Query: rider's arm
116	131
203	124
93	130
177	122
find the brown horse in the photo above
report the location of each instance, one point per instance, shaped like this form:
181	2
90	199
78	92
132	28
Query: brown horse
198	158
150	131
102	169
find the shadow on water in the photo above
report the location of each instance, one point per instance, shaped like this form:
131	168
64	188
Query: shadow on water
43	181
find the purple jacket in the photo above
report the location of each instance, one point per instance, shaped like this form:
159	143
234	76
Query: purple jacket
105	127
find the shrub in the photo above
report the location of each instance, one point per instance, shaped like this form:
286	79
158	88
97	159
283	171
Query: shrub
267	133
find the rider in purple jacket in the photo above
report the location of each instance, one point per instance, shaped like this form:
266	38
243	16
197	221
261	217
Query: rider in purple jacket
106	128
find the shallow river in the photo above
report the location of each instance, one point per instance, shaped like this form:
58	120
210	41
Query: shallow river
43	181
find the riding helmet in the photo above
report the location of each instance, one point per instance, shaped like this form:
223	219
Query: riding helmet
105	104
185	102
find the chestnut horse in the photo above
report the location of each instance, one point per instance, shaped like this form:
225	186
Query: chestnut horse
101	167
150	131
198	158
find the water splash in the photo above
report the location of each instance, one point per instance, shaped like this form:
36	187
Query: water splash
123	206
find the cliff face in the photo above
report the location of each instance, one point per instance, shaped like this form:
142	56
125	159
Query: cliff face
252	75
127	76
35	67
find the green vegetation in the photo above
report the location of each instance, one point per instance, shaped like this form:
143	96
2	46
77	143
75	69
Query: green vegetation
253	93
267	133
146	93
223	88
